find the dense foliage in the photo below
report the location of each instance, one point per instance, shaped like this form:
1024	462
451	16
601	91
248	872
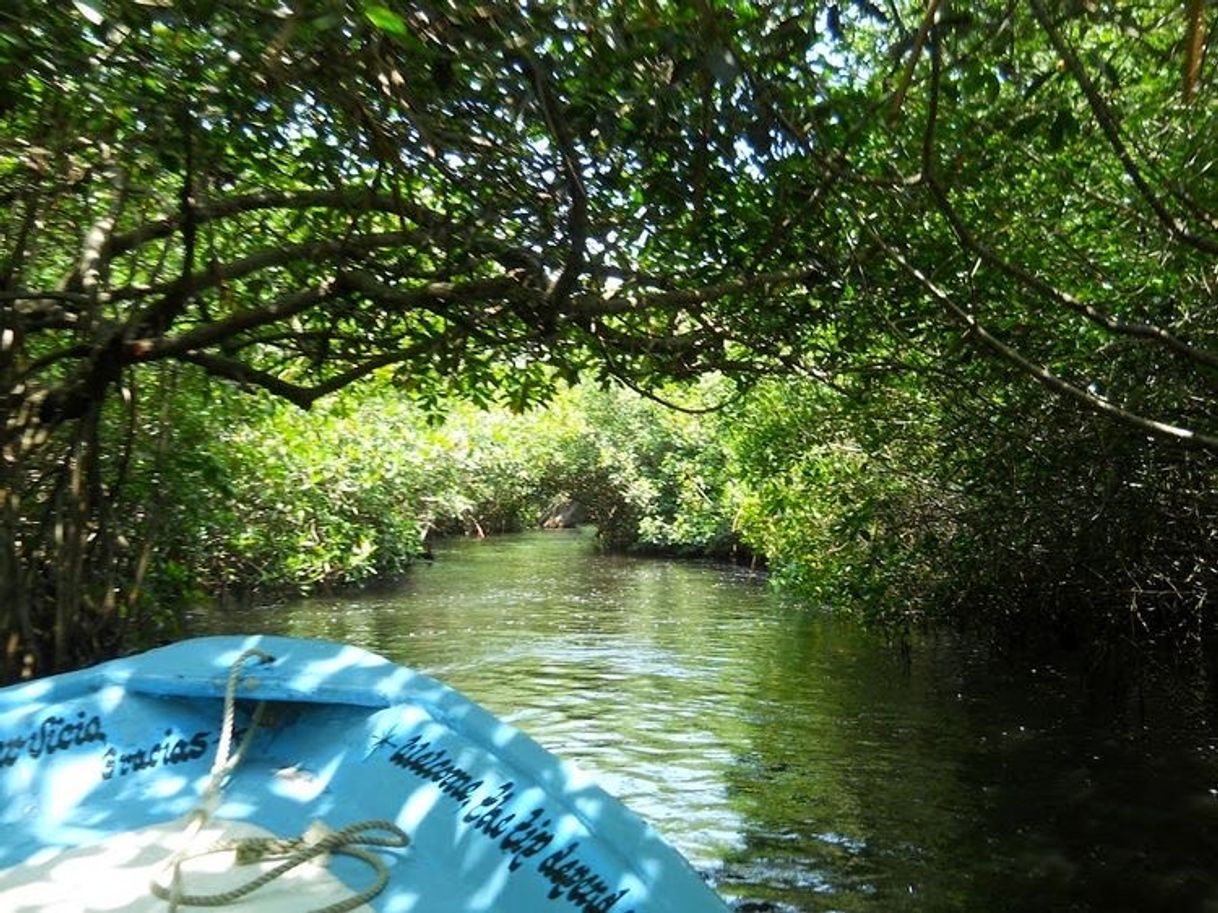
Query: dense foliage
986	234
1022	517
356	491
1047	527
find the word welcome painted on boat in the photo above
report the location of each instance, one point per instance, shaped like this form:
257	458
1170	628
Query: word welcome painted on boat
524	839
56	734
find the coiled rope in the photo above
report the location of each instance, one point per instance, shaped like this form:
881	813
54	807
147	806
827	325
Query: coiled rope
318	841
294	852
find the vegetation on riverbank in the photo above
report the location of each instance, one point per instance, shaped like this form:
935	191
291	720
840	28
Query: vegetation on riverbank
943	516
354	492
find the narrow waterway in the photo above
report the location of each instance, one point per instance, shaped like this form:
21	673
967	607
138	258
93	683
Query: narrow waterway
801	763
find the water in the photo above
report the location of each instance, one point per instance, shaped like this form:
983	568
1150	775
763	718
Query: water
801	763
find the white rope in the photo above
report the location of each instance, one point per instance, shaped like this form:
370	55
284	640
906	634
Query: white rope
347	841
221	767
223	763
317	842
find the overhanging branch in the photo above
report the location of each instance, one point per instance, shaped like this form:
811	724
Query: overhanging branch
1043	375
216	333
345	199
929	178
1112	132
297	394
577	214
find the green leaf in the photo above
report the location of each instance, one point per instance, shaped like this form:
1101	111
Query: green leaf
386	20
1024	126
90	12
1064	127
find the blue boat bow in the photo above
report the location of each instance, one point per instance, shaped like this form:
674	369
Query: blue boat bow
344	738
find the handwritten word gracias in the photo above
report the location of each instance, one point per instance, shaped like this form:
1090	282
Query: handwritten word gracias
69	732
164	752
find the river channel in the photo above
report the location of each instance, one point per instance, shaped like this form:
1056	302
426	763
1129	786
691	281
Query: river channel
801	763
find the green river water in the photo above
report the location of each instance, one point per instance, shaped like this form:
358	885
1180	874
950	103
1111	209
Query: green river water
799	762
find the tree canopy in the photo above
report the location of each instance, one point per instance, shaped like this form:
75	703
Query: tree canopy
492	197
295	197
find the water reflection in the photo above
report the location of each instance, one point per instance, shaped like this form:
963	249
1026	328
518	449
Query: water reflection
802	763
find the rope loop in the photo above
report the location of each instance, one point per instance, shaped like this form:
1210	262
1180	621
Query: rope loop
317	842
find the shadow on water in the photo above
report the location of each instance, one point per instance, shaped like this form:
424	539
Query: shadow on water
801	763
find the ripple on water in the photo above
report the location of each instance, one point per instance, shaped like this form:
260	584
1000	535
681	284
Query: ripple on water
802	763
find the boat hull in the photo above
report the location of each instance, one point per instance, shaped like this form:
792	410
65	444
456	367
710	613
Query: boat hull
495	823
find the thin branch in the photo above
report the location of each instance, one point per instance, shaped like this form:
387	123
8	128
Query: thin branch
1193	45
215	333
625	379
1108	124
14	265
186	197
1031	281
269	258
966	237
45	295
343	198
362	370
68	353
928	21
577	214
297	394
438	298
241	373
434	295
1043	375
624	302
